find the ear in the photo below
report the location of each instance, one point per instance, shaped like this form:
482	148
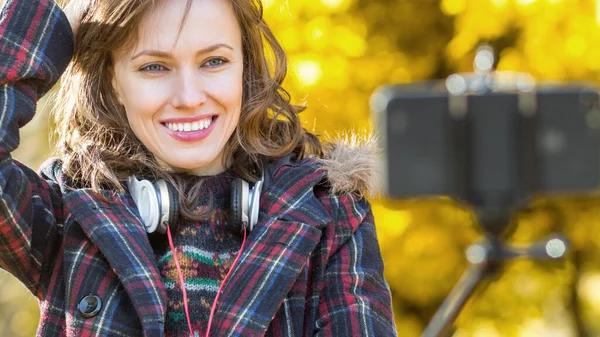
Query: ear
111	72
115	87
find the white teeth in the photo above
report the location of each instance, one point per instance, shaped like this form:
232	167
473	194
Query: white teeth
187	127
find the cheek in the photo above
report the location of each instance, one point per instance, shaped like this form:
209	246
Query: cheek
141	101
227	87
231	93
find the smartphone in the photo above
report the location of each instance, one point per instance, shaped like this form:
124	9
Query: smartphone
487	147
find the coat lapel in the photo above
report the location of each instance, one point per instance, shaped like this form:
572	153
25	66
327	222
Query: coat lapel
276	251
114	227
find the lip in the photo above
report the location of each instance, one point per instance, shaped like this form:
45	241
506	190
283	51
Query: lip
189	136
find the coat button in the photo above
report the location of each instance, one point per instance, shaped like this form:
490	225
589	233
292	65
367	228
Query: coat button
90	306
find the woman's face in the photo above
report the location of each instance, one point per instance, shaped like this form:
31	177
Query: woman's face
182	89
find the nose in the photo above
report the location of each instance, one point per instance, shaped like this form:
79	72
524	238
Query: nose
189	92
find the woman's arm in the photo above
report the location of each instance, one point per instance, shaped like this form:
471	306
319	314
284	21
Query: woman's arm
356	299
36	45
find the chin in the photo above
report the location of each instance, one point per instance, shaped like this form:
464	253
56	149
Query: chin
197	167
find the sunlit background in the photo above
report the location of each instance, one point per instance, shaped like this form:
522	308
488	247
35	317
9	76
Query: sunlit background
339	52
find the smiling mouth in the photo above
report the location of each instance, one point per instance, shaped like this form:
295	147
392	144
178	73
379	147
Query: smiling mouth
190	126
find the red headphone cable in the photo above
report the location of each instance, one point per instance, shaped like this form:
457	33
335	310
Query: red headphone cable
180	274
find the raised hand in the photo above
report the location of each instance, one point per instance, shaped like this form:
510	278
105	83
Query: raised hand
74	11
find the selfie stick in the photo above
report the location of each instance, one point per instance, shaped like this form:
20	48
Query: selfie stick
487	258
485	262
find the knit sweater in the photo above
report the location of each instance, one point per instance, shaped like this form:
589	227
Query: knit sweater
205	251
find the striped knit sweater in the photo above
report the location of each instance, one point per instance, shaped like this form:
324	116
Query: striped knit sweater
206	251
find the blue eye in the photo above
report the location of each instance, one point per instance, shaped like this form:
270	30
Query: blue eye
153	68
213	63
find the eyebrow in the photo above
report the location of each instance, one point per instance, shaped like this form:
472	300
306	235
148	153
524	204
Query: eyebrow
158	53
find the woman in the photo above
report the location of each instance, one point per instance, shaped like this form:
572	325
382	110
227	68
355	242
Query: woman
166	110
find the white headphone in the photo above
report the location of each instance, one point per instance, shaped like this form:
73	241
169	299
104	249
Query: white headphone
158	203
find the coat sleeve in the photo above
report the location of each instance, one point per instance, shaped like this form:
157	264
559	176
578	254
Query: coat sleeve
36	44
356	299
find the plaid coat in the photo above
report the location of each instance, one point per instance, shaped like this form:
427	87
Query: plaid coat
311	267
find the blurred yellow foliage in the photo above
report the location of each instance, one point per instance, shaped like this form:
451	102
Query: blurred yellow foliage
339	52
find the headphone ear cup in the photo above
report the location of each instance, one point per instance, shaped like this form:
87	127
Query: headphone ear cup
173	204
168	203
145	195
254	204
235	216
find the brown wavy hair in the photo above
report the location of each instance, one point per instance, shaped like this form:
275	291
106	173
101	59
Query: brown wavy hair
93	136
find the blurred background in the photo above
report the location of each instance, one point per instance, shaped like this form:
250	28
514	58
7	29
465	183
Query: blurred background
342	50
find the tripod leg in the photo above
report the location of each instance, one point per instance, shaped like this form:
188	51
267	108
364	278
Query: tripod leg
441	323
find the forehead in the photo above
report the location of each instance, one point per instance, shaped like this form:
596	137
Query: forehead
170	23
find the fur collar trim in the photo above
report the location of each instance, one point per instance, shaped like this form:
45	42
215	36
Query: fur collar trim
351	164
